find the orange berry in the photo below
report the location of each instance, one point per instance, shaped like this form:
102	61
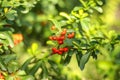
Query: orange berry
73	34
1	76
17	38
63	33
65	30
50	38
53	27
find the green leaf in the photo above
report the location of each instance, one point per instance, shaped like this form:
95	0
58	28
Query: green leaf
21	73
9	78
12	66
84	60
26	63
54	66
11	15
94	55
34	47
99	9
35	68
76	43
3	66
3	22
44	73
68	42
85	24
67	59
78	57
33	50
9	57
29	77
6	35
26	10
99	2
65	15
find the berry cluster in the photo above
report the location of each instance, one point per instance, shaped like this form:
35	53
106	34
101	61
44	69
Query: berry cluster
60	50
60	40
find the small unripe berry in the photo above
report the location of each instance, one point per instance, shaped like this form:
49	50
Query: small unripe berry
53	27
64	30
51	38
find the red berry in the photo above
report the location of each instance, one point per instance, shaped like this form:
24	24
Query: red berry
63	33
60	42
69	36
65	49
61	49
54	37
54	50
60	52
61	38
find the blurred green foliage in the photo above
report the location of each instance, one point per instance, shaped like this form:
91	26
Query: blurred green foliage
95	23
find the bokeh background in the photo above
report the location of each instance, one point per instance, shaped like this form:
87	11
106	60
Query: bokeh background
35	28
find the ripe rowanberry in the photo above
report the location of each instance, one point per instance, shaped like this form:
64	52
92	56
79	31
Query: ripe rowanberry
61	49
71	35
65	49
54	50
60	52
60	42
54	38
61	38
63	33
